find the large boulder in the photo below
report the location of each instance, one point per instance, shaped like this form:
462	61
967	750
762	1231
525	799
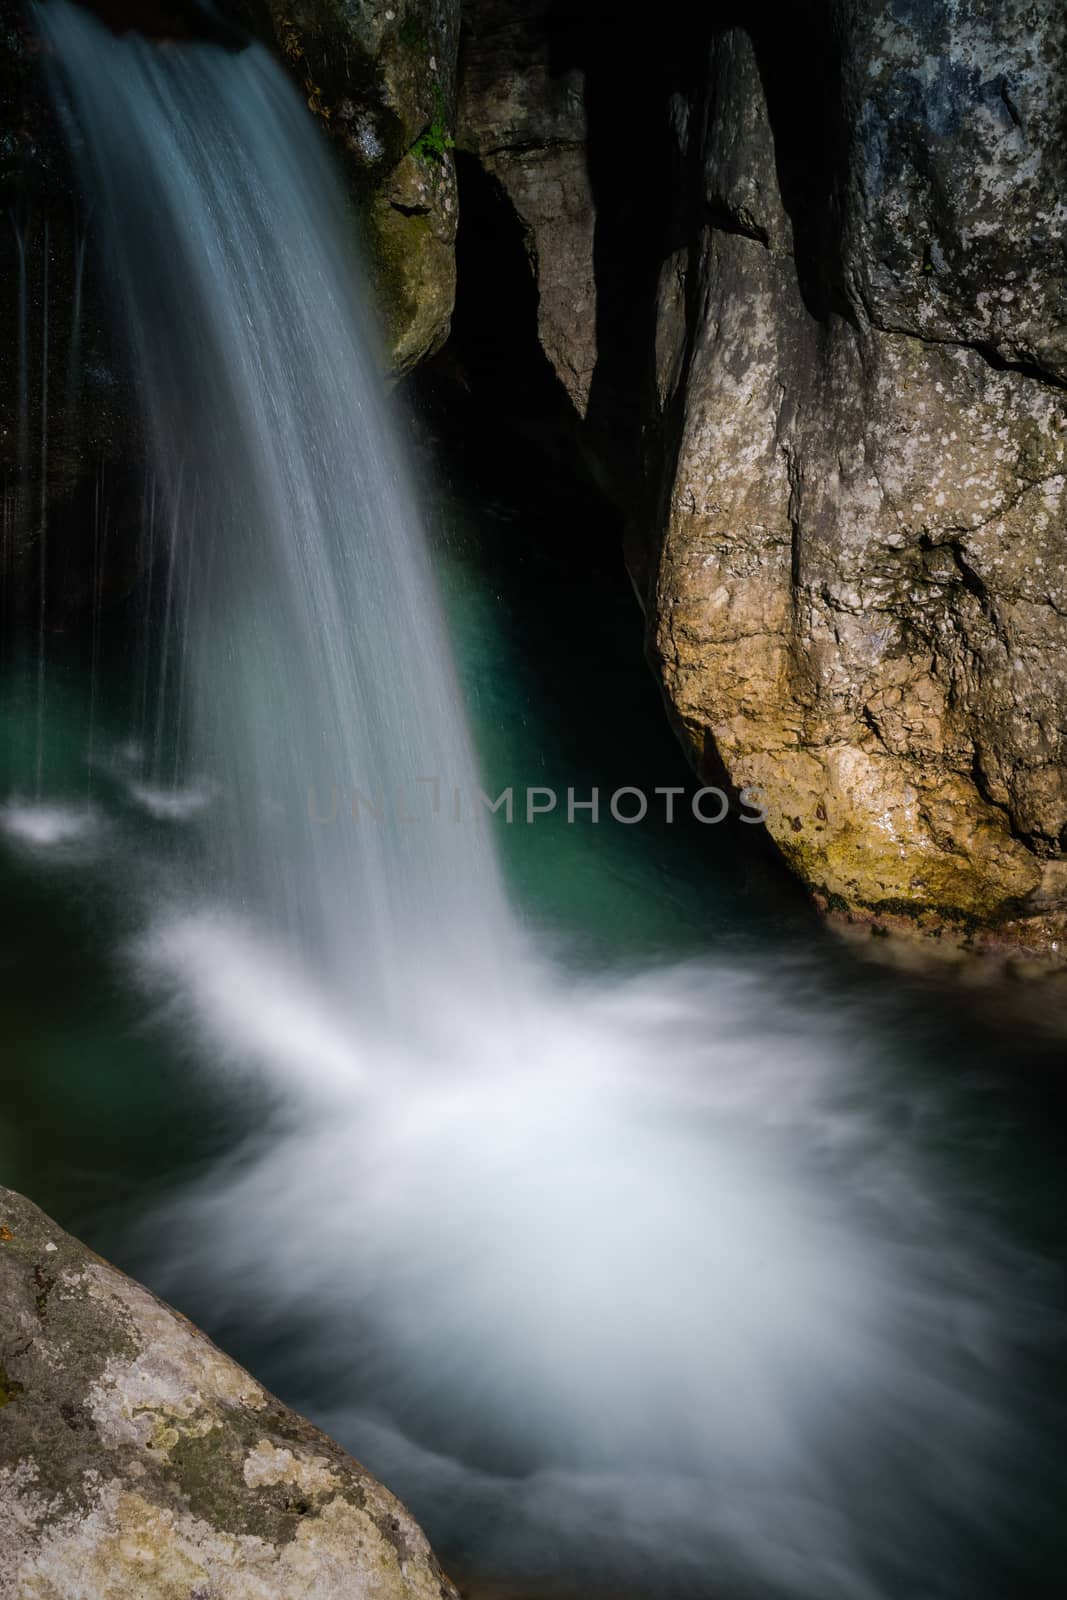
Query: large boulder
856	586
138	1460
801	273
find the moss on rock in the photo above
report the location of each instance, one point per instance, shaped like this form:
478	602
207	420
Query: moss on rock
381	78
135	1457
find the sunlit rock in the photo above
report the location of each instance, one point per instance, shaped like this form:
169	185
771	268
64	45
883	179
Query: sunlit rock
136	1458
856	592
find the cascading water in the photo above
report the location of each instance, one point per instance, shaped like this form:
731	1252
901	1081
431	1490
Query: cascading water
318	661
639	1283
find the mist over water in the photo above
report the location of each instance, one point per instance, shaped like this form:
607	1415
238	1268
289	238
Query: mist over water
655	1280
646	1280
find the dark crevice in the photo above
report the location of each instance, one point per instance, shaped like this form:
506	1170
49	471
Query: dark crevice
649	183
799	55
508	429
870	721
1033	842
641	202
795	531
981	347
494	352
1027	369
970	579
724	220
1000	84
532	147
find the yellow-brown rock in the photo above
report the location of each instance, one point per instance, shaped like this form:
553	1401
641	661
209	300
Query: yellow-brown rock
136	1459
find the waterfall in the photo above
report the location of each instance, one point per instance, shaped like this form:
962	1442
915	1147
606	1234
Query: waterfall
639	1281
323	701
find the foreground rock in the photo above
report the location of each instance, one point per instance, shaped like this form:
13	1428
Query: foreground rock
138	1460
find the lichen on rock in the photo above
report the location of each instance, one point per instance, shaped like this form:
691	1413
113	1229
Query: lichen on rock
136	1458
856	596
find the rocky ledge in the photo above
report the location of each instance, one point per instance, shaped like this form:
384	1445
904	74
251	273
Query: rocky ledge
137	1459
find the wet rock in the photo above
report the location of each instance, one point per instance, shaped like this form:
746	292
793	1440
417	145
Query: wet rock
137	1459
380	75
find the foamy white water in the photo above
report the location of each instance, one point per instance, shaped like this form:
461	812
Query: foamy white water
253	1011
174	804
652	1275
45	825
643	1281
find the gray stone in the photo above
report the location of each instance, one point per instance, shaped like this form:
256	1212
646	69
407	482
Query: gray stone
137	1459
856	595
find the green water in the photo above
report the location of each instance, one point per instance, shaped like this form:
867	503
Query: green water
101	1099
108	1104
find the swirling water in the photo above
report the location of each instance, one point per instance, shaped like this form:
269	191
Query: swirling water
688	1276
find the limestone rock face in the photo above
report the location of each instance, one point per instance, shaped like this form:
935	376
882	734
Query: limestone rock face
381	77
858	591
137	1459
522	115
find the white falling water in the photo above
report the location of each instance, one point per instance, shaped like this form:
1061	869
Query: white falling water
317	660
634	1276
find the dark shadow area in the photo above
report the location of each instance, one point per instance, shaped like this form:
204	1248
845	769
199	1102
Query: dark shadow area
644	207
494	348
800	58
537	520
174	19
654	108
648	178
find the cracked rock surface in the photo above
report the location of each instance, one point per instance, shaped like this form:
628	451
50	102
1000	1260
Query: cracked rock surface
858	592
137	1459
